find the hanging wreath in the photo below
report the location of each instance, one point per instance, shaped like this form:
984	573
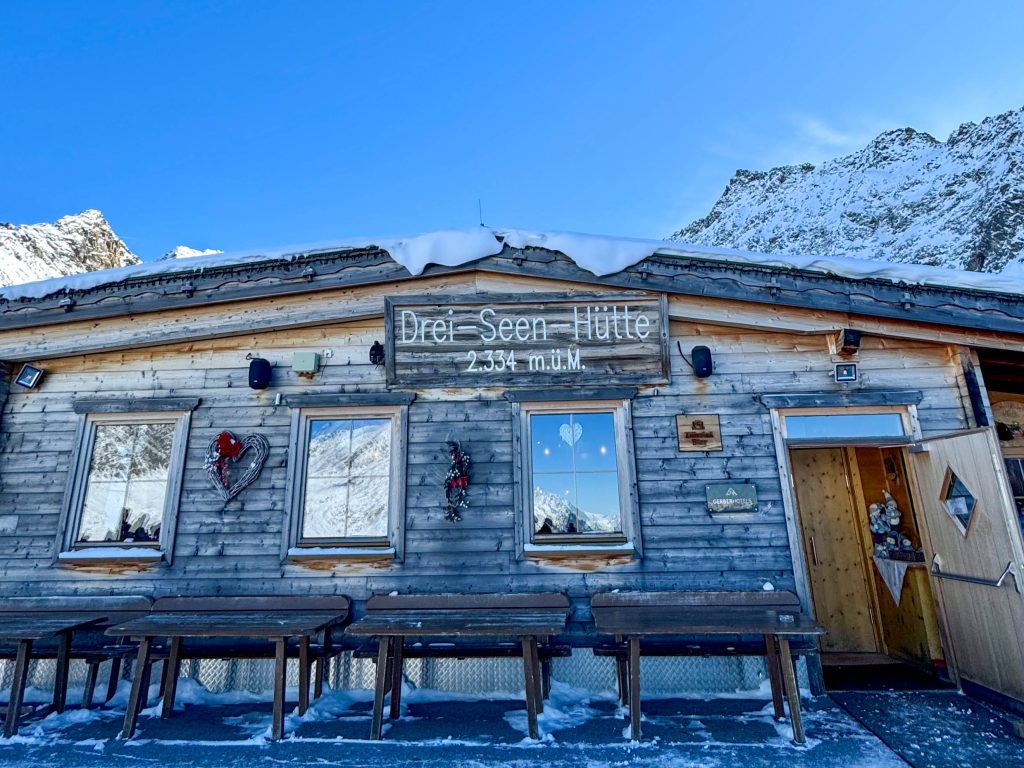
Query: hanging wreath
224	451
456	483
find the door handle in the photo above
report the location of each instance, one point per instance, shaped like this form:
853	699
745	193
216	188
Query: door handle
814	551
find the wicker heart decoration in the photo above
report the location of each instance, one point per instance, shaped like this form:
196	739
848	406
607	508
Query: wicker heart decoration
226	450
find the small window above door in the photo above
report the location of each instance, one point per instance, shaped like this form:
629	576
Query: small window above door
845	425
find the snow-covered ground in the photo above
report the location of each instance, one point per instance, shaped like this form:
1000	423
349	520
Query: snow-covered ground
579	727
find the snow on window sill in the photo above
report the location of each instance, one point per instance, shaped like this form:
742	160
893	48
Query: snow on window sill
346	554
116	555
626	549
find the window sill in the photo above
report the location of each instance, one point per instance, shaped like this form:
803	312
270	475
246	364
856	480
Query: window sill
556	551
342	554
111	556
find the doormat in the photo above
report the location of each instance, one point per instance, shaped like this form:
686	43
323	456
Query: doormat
936	729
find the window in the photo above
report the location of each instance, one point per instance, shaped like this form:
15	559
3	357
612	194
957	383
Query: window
123	499
347	482
576	482
854	425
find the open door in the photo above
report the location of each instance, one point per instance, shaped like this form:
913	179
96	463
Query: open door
973	544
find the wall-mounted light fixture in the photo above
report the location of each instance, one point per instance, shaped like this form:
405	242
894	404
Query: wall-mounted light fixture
29	377
846	372
377	353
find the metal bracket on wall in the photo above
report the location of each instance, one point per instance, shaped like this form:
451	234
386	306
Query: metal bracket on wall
936	570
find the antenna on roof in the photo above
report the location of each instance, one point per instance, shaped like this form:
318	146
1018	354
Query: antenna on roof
480	211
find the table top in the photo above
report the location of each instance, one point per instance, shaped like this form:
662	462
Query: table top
268	624
689	620
460	623
37	626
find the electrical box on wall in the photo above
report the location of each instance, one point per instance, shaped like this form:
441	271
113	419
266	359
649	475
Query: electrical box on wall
306	363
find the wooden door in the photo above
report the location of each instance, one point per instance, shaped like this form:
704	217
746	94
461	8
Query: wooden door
979	542
834	551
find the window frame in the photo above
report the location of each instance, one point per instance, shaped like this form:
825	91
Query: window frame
74	552
627	543
388	547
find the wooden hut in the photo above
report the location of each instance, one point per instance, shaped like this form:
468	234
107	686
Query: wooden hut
637	415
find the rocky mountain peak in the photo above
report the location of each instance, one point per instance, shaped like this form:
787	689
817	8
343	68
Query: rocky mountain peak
84	242
906	197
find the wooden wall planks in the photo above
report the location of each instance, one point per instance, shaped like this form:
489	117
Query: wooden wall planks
233	549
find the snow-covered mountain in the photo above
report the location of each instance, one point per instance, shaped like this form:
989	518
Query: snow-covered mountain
184	252
80	243
906	198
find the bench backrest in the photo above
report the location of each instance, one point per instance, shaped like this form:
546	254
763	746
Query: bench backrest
698	599
454	602
248	603
110	609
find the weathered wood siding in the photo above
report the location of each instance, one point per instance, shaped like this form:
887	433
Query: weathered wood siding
237	549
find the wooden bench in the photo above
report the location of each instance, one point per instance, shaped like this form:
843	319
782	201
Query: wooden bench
235	627
767	624
62	629
461	627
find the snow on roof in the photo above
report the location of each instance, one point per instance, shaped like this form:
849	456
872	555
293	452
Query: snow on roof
597	254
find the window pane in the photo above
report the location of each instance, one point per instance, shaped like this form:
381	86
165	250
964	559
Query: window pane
597	499
554	504
845	425
371	447
126	487
324	508
552	442
329	448
348	479
595	446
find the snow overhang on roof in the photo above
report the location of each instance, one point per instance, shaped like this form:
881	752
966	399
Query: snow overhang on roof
992	301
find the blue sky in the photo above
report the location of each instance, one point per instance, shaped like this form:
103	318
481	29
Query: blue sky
240	125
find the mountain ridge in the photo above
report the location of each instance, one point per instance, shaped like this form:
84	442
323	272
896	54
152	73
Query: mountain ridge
906	197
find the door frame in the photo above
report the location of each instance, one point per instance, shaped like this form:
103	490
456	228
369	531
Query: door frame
911	428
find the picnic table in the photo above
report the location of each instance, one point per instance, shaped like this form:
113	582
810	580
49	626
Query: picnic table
32	628
634	616
273	622
465	620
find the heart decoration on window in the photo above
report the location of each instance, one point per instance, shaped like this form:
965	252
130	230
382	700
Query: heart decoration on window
571	434
227	450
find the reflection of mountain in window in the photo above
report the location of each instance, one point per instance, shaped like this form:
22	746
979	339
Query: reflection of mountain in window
575	474
348	467
126	486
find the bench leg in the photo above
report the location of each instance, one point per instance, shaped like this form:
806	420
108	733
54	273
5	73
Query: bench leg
138	694
538	686
18	680
383	653
815	675
792	691
771	658
114	679
280	677
530	677
60	676
92	672
622	679
172	668
396	677
634	688
545	679
318	677
304	669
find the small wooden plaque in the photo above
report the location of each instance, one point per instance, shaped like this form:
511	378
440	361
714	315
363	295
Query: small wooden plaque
699	432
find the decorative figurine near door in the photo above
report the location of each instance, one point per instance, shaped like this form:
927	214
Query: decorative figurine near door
884	522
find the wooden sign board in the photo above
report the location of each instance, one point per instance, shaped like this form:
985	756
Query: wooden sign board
731	497
526	341
699	432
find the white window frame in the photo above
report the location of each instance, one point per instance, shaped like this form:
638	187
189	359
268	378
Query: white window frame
389	547
573	545
70	550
